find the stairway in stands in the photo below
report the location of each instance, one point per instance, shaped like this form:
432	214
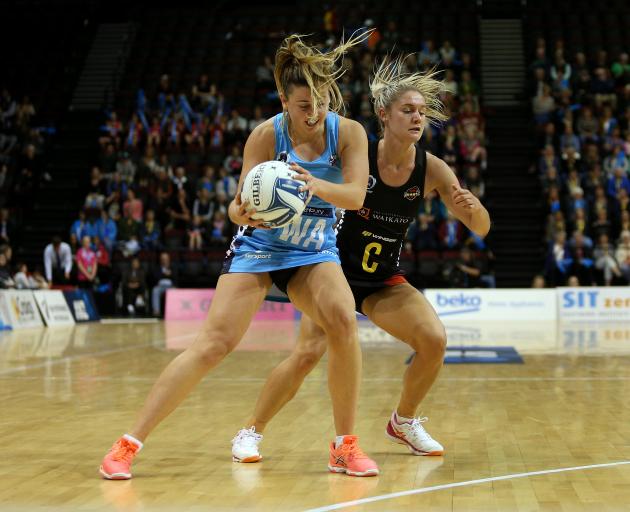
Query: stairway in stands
57	204
513	195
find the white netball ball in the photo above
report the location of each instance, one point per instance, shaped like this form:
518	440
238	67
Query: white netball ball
274	194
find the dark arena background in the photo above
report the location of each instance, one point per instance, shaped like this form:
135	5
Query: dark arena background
122	128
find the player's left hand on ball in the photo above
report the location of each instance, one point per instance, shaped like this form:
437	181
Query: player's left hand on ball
310	181
464	198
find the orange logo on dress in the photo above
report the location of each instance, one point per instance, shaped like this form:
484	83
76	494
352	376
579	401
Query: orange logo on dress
412	193
364	212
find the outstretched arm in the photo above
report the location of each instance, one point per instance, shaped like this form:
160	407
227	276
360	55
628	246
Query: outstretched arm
460	201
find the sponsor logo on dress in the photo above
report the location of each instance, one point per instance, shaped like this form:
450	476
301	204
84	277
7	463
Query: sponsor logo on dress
364	212
378	237
333	159
258	255
412	193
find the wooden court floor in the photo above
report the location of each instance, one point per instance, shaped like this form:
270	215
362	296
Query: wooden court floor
551	434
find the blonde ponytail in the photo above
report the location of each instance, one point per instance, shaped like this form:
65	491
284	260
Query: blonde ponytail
300	64
391	80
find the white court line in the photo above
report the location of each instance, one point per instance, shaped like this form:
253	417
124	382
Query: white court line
243	380
424	490
53	362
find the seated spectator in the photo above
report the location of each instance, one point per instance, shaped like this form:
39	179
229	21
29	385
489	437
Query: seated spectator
97	190
603	254
150	232
234	162
82	227
220	228
256	120
569	140
106	230
558	260
133	207
26	281
543	106
165	277
428	57
616	160
201	94
236	128
451	232
539	281
126	168
617	181
195	233
587	126
7	227
603	87
622	254
466	272
203	206
549	179
226	184
601	225
134	286
128	235
555	224
6	281
178	211
58	261
573	282
87	266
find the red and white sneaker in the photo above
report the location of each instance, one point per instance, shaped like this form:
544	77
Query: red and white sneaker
117	463
413	435
348	458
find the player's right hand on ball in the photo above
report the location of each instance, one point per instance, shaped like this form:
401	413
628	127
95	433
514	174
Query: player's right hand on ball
244	214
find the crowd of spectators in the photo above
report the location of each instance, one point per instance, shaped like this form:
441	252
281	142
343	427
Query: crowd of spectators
22	172
582	116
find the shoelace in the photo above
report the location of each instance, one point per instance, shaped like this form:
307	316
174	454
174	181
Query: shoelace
418	429
123	452
353	451
249	436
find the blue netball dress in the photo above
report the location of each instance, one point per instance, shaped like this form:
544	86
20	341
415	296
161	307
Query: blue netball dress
311	238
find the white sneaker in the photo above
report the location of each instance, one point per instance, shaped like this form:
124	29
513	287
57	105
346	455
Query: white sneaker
245	445
413	436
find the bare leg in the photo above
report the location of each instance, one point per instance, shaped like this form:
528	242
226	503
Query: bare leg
223	328
286	378
322	292
403	312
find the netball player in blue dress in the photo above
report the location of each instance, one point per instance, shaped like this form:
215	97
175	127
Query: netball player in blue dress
330	154
370	240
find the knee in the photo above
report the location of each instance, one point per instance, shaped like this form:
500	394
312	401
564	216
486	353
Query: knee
210	351
340	322
307	360
430	342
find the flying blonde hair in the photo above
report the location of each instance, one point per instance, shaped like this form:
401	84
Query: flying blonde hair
300	64
391	80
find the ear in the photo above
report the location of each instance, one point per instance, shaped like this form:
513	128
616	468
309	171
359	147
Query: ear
382	115
284	101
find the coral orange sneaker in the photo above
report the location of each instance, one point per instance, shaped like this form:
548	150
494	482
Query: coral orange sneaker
349	459
117	463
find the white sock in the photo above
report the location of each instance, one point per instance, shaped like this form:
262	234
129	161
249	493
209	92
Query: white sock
135	441
339	441
401	419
